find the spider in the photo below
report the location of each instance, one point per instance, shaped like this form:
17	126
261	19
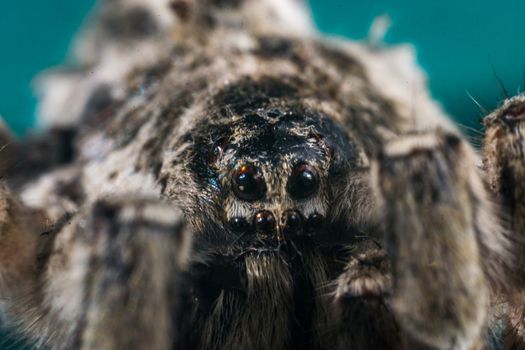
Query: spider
217	175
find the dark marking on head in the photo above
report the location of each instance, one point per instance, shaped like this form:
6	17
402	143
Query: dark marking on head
199	62
73	190
102	213
203	13
65	144
274	47
249	95
145	77
134	23
182	9
224	4
101	99
341	60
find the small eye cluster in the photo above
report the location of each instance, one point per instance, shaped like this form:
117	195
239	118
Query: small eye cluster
249	185
265	223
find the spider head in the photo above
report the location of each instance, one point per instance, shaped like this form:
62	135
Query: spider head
273	174
268	162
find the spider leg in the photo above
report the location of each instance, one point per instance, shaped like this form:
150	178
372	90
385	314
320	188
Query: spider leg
438	225
140	248
365	318
504	165
111	278
22	232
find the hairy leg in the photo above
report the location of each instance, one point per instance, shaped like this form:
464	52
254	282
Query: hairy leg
442	238
21	237
504	163
365	316
108	279
139	249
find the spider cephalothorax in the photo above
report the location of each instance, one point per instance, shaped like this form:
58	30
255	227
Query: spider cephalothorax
227	180
272	172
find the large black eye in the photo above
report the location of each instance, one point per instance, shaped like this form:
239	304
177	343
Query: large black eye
303	182
248	183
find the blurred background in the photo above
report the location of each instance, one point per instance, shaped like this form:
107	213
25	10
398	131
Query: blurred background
458	42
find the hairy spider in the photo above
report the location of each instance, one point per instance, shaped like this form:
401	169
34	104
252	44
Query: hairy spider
216	175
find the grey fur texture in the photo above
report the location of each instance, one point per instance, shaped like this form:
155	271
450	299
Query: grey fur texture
223	177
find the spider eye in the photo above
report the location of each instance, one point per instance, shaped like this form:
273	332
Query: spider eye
303	182
248	183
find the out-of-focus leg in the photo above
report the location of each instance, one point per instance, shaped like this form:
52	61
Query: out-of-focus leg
504	164
442	237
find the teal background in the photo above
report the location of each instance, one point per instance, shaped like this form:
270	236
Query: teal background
34	35
456	41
